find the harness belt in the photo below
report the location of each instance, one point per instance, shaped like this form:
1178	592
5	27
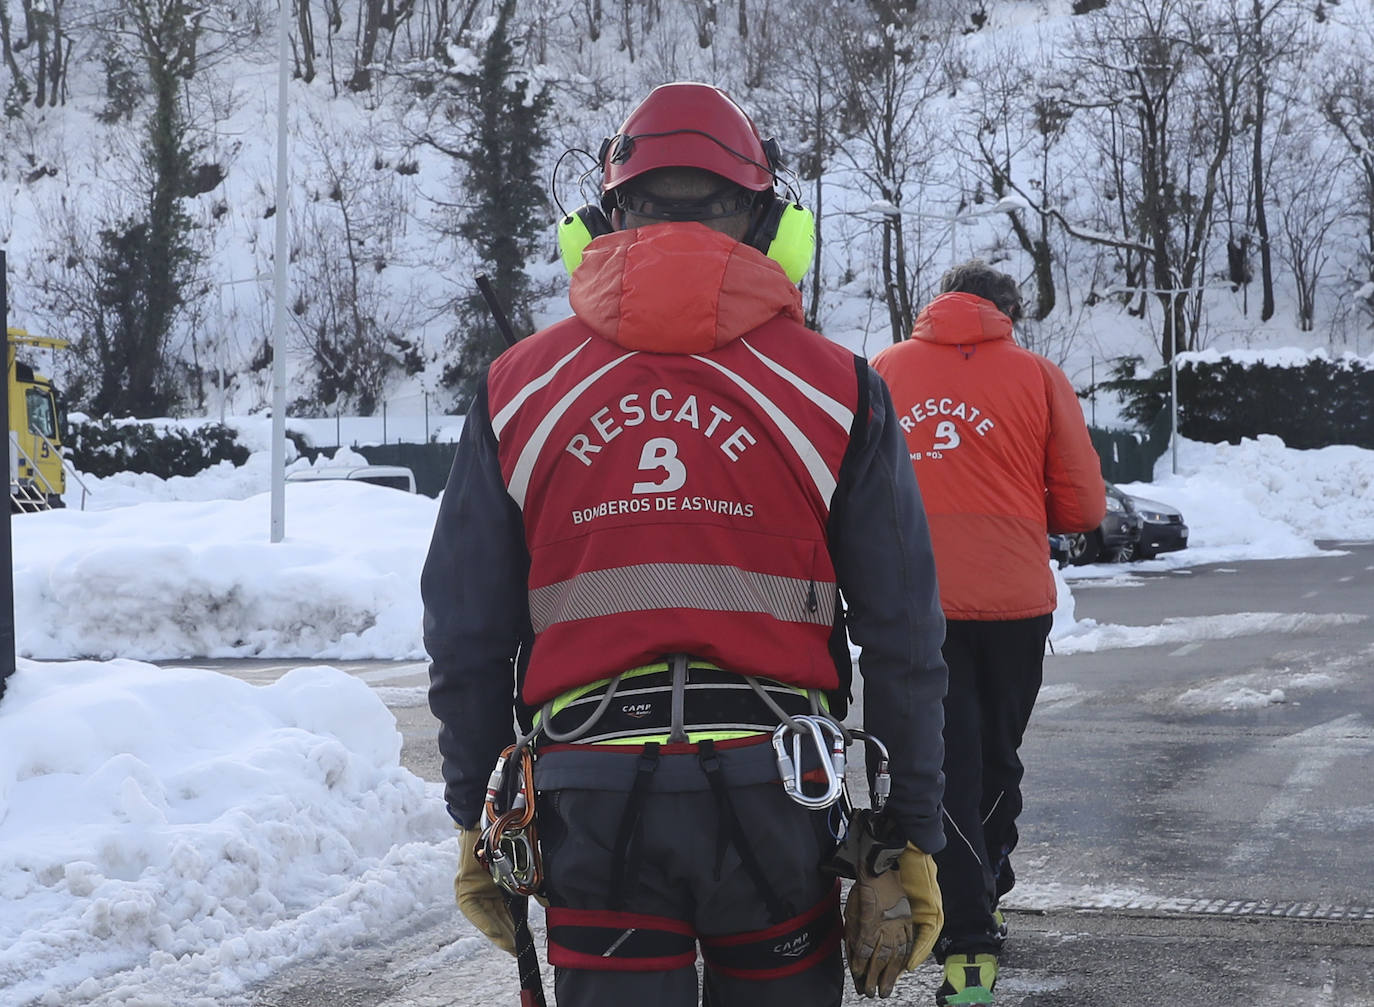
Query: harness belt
643	706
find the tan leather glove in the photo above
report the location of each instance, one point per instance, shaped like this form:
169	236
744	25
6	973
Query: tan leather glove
917	870
892	919
877	931
479	896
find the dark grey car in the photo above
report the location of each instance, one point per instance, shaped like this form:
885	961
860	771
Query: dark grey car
1134	528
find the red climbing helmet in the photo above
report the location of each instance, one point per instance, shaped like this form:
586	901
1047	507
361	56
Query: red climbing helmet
689	125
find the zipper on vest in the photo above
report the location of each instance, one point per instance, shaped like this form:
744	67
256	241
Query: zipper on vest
813	603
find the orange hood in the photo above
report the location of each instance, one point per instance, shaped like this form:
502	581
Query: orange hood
678	288
958	318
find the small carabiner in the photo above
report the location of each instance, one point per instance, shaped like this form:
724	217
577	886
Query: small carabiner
882	778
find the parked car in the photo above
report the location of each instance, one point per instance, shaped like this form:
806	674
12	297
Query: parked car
1161	530
397	477
1114	539
1134	528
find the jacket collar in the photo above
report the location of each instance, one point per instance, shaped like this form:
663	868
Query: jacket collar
678	288
960	318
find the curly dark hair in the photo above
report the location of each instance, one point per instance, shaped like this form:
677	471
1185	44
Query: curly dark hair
978	278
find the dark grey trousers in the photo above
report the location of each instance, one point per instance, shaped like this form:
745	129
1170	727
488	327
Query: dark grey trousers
672	875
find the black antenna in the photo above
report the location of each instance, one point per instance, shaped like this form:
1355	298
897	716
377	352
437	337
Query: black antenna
497	312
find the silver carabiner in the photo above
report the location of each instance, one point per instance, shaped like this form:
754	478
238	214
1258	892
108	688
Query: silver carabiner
828	742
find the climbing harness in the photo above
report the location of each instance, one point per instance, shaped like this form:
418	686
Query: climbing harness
650	708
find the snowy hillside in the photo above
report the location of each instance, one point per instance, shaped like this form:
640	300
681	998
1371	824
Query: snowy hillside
907	129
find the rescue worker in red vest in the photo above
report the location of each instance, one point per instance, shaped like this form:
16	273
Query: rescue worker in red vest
1002	453
664	513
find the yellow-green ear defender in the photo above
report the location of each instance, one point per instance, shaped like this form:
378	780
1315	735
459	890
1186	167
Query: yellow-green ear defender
787	235
576	231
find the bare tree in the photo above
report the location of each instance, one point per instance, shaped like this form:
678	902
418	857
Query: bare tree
354	333
1163	80
1009	128
1308	213
45	37
890	66
1347	105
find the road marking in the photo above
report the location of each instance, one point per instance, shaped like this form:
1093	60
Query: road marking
400	671
1318	749
1186	629
397	696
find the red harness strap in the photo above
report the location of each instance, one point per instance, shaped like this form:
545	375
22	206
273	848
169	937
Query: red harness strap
784	949
618	942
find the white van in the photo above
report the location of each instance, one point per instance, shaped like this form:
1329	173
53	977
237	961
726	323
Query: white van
397	477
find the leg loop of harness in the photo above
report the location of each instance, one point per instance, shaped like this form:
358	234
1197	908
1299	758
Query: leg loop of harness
730	830
787	948
618	942
624	872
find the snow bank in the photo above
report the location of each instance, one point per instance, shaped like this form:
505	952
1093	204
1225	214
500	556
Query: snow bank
183	831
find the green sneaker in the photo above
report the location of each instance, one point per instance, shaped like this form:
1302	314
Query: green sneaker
1000	922
969	979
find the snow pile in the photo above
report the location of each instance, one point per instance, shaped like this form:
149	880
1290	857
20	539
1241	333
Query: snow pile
183	831
1260	499
180	579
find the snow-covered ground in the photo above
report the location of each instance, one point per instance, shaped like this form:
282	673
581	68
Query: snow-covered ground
168	837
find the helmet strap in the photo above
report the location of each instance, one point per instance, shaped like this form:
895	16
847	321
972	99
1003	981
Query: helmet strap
727	201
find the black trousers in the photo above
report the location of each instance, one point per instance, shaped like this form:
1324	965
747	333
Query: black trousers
685	885
995	671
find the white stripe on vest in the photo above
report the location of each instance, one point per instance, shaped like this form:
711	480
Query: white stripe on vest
499	421
835	410
806	451
529	455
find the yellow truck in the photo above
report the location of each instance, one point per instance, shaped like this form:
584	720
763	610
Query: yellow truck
37	479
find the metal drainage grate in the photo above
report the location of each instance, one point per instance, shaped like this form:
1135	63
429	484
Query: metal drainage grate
1215	907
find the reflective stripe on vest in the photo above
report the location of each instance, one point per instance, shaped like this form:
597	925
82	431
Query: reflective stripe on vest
651	586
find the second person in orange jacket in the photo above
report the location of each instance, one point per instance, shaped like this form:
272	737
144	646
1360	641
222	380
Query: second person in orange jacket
1003	458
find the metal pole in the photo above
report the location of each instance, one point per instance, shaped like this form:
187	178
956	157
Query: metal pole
279	307
7	661
222	392
1173	389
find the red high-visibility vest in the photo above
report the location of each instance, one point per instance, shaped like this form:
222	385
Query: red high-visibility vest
676	502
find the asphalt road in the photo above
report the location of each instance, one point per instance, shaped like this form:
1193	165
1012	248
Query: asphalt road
1198	810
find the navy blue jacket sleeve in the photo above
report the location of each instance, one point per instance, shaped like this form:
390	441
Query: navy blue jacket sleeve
476	615
880	544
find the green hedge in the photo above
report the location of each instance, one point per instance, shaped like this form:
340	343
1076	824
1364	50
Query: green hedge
104	447
1309	405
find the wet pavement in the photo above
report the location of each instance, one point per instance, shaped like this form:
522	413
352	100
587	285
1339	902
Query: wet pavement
1198	813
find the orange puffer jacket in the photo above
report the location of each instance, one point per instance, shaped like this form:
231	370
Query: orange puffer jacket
1001	453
